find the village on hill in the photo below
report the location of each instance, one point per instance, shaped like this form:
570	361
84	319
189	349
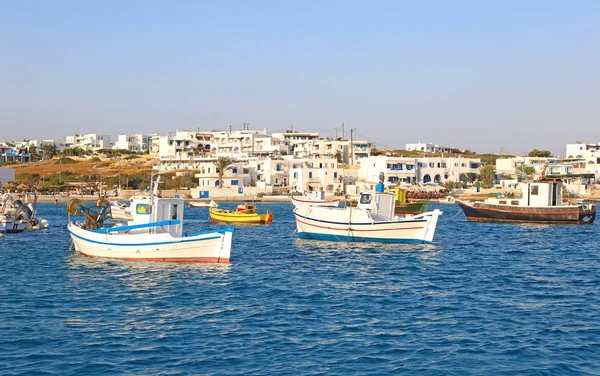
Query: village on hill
247	163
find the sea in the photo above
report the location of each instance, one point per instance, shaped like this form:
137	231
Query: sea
483	299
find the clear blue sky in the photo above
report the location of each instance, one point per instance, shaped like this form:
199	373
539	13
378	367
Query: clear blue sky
475	74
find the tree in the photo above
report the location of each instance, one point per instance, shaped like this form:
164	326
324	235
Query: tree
338	156
487	176
223	164
471	177
32	152
50	151
539	153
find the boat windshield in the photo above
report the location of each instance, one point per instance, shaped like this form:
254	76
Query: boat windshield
365	198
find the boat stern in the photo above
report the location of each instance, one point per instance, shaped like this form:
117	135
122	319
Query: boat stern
588	214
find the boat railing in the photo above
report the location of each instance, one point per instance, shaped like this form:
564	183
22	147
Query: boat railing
135	227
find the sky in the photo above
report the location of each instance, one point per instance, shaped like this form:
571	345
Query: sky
488	76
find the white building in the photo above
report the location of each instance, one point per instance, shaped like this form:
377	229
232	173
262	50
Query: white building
91	141
181	148
410	170
239	175
269	171
589	154
315	174
299	143
137	142
246	143
60	144
429	147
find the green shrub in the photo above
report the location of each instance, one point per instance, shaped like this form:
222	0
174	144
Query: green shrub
95	159
131	157
65	160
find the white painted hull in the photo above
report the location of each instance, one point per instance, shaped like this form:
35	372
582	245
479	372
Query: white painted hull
195	204
210	246
312	202
346	224
10	226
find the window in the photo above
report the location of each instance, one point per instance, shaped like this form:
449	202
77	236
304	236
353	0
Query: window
143	209
335	174
234	182
514	202
502	202
534	190
295	175
234	170
174	212
365	198
310	175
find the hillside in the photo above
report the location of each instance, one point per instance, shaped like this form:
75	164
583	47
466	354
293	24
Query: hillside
129	172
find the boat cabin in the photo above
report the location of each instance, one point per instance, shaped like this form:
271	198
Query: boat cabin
536	193
246	208
378	203
146	211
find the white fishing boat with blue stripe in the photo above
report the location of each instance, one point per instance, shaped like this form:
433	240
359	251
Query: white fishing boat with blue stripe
155	234
373	220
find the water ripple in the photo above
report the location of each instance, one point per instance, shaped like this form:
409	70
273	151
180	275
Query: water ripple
485	298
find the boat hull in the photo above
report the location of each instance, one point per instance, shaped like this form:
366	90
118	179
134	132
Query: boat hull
228	216
314	225
11	227
210	246
411	207
307	201
571	214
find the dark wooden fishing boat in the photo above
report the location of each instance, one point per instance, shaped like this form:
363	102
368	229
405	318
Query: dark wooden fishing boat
541	202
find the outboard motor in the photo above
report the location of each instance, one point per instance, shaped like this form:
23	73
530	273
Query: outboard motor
23	213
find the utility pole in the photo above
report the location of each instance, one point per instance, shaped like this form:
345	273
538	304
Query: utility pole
343	132
352	146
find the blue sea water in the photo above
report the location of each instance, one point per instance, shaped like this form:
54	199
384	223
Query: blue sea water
502	299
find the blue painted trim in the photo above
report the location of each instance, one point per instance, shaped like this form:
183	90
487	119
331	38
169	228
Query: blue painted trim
133	227
141	244
315	236
359	224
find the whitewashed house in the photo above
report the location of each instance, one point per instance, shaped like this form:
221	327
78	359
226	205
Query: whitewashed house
137	142
315	174
410	170
239	175
246	143
90	141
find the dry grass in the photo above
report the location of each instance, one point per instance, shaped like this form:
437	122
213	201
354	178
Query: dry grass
83	166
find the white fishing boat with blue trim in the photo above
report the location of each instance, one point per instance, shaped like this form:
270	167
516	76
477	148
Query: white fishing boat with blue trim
155	234
373	220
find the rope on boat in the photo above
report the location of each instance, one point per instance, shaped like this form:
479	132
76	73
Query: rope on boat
457	213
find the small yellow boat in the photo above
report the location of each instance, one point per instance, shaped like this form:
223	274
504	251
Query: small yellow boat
245	213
